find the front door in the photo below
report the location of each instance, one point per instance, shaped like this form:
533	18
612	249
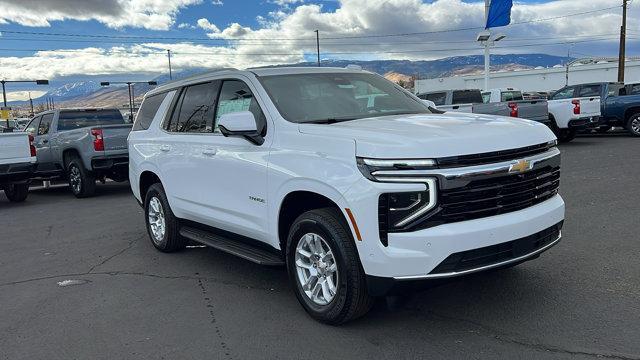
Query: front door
42	142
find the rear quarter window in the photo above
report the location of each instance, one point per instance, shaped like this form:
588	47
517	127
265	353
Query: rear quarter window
466	97
76	119
437	98
148	111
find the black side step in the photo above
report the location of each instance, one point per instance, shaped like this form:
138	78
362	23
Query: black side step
233	247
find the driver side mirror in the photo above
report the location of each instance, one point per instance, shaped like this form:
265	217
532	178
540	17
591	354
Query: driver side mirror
241	123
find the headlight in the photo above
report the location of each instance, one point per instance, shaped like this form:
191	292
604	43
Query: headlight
368	166
400	211
402	208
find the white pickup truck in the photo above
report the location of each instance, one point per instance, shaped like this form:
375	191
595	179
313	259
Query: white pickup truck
346	179
570	113
17	164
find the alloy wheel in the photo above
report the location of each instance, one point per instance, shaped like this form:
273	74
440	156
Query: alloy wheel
635	125
75	179
157	223
316	268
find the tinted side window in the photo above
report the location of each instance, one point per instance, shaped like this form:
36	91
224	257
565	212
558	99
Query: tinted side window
635	89
195	108
466	97
33	125
148	110
565	93
437	98
236	96
45	124
589	90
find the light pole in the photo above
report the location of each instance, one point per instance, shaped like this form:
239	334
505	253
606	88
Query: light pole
486	39
4	91
130	88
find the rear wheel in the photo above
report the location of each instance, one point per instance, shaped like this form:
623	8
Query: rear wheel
16	192
325	269
81	181
633	125
163	227
565	135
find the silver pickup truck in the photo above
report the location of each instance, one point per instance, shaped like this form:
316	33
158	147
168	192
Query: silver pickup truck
81	145
507	103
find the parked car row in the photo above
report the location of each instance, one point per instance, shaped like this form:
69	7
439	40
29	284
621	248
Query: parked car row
79	145
594	106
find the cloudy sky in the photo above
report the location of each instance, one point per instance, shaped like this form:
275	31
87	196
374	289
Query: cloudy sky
66	40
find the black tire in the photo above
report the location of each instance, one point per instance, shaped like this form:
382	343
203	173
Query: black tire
603	129
566	135
351	299
16	192
633	124
81	181
171	240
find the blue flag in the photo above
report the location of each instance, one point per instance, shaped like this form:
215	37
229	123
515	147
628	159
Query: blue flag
499	13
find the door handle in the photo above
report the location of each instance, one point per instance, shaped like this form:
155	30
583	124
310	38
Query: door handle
209	151
165	148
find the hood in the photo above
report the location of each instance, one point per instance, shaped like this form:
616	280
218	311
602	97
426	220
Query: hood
433	135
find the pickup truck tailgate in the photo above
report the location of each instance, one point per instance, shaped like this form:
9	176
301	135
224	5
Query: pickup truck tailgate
589	106
533	110
115	136
14	148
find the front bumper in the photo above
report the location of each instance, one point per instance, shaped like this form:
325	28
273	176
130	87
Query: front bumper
414	255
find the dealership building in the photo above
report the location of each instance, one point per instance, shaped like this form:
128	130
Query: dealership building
540	79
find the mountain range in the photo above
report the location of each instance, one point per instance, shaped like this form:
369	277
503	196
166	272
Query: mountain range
88	93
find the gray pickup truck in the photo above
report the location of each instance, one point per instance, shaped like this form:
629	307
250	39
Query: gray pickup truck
81	145
504	102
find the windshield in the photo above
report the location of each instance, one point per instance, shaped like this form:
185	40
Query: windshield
332	97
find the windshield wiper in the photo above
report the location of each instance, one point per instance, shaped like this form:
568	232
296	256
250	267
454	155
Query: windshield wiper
330	120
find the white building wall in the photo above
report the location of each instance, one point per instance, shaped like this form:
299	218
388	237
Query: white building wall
535	80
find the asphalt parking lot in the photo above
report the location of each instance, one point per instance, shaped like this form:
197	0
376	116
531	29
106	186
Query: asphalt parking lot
124	300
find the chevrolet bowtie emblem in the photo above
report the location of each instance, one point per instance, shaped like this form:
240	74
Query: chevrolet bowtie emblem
520	166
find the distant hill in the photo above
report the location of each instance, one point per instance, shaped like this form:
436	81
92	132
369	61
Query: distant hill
90	93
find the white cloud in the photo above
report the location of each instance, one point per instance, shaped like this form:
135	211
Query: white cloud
148	14
24	95
206	25
353	18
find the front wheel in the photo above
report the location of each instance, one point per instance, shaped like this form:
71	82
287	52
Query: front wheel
16	192
633	125
324	267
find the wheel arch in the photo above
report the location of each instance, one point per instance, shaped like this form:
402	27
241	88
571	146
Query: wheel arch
147	178
628	113
296	202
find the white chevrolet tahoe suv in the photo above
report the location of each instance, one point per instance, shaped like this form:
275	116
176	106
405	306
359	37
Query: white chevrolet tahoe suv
349	181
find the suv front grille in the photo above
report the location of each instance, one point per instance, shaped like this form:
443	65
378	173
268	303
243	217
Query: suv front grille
495	196
492	157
